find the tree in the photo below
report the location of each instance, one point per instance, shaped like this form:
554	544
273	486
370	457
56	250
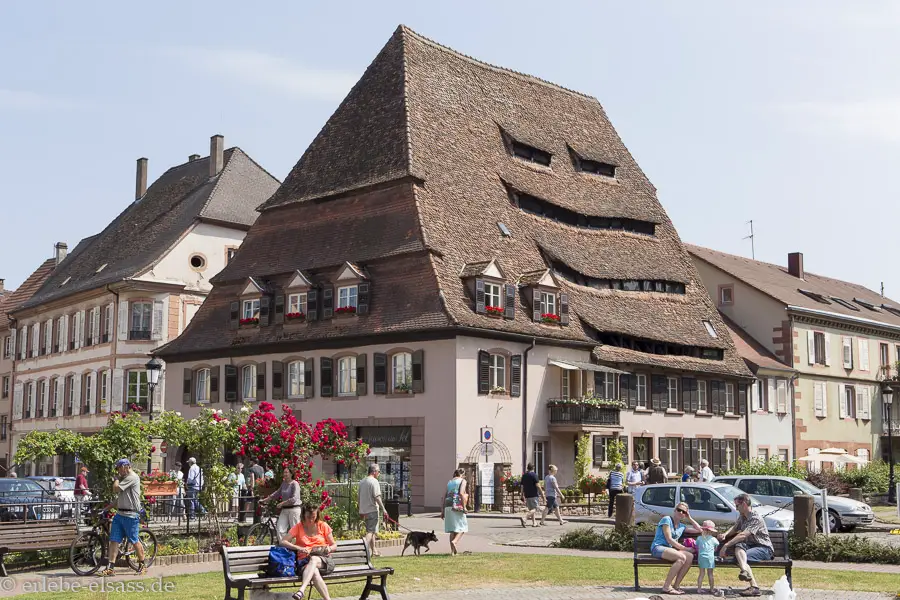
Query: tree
582	459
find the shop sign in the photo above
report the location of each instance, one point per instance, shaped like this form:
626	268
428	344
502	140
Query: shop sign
381	437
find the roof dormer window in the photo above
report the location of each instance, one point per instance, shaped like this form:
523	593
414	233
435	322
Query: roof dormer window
548	305
493	297
845	304
815	296
596	167
867	304
351	294
530	153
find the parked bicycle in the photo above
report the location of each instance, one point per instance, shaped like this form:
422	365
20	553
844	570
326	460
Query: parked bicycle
87	552
264	533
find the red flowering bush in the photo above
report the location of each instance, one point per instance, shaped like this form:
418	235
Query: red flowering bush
250	321
549	318
341	310
136	408
494	310
295	315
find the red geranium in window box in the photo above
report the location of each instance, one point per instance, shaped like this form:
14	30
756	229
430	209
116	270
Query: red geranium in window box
250	321
549	318
295	316
496	311
345	310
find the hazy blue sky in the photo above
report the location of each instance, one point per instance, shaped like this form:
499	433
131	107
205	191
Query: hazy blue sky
787	115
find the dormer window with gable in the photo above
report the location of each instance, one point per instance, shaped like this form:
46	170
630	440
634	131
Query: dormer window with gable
351	294
252	309
299	302
548	304
493	297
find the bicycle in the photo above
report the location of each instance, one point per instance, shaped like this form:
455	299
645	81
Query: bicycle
264	533
89	549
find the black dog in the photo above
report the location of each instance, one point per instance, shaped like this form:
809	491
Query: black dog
417	539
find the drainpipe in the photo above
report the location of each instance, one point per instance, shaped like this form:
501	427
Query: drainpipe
794	378
525	403
747	412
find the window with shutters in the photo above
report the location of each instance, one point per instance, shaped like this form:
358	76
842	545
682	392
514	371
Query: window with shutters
819	347
201	390
87	393
103	392
141	320
702	450
4	388
847	352
296	379
248	382
346	376
672	387
347	297
89	327
565	378
729	398
539	457
497	372
493	299
548	307
702	400
642	391
250	310
401	372
69	400
296	306
29	400
781	400
729	454
53	396
137	391
601	444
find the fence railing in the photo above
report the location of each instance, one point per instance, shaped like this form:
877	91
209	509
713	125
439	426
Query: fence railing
578	414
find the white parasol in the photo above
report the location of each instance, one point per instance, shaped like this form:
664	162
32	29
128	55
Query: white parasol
837	456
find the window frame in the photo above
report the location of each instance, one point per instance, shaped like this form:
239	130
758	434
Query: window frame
731	450
253	304
702	396
248	394
565	381
352	296
641	386
298	299
819	346
672	393
497	371
4	386
671	445
102	390
139	386
300	366
849	400
405	385
132	305
489	295
722	292
202	377
729	396
87	392
346	385
600	442
549	302
539	456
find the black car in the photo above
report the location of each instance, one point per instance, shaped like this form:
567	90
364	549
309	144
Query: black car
18	494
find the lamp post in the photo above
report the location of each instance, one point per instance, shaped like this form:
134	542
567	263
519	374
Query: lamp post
887	395
154	370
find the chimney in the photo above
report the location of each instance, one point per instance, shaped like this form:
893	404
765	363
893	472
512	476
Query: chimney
61	249
795	264
216	155
2	281
193	157
140	184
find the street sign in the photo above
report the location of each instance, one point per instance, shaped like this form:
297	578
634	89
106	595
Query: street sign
163	447
486	449
487	435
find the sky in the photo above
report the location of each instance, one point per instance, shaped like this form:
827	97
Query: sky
786	114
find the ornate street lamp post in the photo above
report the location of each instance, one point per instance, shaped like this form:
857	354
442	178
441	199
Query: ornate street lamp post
887	394
154	370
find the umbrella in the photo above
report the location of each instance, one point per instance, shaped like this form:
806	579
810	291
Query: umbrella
833	455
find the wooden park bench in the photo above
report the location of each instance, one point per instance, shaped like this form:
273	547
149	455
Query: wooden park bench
245	568
32	536
781	560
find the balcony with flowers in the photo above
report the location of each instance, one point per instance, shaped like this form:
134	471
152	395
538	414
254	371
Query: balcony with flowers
585	411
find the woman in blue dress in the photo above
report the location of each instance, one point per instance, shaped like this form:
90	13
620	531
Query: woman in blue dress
666	546
455	522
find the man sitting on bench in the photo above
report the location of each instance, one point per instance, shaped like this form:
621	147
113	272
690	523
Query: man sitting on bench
750	539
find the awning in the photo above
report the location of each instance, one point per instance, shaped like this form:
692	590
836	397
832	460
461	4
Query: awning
574	365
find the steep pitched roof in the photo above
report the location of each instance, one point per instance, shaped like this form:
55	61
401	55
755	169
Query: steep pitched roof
438	124
148	227
776	282
754	353
12	302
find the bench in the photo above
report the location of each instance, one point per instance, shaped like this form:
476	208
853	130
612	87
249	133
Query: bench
782	559
245	568
31	536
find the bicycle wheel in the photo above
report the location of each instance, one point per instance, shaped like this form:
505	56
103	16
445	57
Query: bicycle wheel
148	541
85	553
260	535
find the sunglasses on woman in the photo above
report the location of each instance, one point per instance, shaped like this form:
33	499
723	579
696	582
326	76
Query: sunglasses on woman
681	510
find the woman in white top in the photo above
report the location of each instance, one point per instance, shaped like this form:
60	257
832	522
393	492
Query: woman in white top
553	493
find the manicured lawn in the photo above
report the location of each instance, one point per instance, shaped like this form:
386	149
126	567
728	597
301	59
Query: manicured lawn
429	573
886	514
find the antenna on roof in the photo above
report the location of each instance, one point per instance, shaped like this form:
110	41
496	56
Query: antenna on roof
750	237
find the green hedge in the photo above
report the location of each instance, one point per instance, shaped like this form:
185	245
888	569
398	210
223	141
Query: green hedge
611	540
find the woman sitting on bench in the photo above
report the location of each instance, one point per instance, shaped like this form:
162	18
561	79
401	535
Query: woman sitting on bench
313	541
666	547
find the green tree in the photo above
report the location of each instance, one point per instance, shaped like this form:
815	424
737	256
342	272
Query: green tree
773	466
582	459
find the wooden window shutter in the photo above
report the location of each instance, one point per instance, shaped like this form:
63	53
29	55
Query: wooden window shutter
536	305
260	381
484	372
715	391
308	388
509	307
418	371
811	346
277	380
231	383
742	399
235	321
743	451
827	337
328	302
515	376
842	400
695	398
188	387
214	385
479	296
312	305
265	303
279	309
157	326
379	373
326	374
363	298
716	456
659	389
695	453
361	375
630	382
686	452
563	309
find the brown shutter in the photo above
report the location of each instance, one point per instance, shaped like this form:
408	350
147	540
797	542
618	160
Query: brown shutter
279	309
264	304
277	380
379	373
695	398
536	305
363	295
418	371
742	398
328	302
361	374
213	385
260	381
563	309
187	388
326	374
743	450
479	296
509	307
515	376
656	382
714	397
312	305
630	383
235	315
484	372
309	389
231	383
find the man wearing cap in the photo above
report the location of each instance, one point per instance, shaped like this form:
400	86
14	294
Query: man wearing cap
127	522
194	483
81	491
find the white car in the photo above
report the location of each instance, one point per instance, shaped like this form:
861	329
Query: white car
845	514
707	501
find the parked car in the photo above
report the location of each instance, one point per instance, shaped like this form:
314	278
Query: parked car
845	514
713	501
66	495
18	494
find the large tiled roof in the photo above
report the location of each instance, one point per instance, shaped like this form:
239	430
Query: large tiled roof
776	282
436	124
148	227
16	299
752	351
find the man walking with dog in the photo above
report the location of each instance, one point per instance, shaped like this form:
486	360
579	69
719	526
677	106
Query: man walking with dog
531	495
369	505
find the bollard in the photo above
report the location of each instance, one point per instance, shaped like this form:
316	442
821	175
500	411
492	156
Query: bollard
624	511
856	494
804	517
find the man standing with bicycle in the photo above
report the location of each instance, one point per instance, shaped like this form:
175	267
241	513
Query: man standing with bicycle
127	521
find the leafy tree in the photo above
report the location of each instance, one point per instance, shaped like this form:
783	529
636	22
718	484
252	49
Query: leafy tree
582	459
773	466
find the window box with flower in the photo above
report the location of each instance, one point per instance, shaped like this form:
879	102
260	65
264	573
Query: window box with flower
592	484
137	408
550	318
494	311
157	483
249	322
345	310
295	317
499	389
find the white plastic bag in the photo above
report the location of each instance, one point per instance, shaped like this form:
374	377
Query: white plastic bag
782	590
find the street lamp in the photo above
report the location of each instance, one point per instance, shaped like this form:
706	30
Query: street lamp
887	395
154	370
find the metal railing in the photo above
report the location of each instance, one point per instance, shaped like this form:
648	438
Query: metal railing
139	334
579	414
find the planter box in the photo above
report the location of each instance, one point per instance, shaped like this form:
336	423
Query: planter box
168	488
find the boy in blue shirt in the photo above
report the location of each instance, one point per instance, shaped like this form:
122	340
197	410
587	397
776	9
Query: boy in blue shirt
706	555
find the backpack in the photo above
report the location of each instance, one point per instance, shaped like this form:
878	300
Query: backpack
281	562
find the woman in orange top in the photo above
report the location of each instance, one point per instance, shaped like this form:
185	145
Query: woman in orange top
313	541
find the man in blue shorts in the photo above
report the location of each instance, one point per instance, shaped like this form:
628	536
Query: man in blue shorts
127	521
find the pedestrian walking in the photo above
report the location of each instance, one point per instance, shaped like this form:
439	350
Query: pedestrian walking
554	494
290	503
531	495
370	504
635	477
256	476
126	523
178	500
240	483
615	484
454	509
706	474
657	473
193	484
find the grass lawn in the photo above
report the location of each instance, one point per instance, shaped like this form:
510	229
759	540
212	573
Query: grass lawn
886	514
428	573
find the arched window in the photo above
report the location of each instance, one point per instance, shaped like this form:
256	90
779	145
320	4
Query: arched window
202	392
248	382
401	372
498	371
296	379
347	376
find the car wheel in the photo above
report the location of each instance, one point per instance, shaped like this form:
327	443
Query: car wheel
834	521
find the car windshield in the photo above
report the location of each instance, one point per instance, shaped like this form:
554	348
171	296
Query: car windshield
10	487
730	493
806	487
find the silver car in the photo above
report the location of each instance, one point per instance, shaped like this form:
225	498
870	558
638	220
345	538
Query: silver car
707	501
845	514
